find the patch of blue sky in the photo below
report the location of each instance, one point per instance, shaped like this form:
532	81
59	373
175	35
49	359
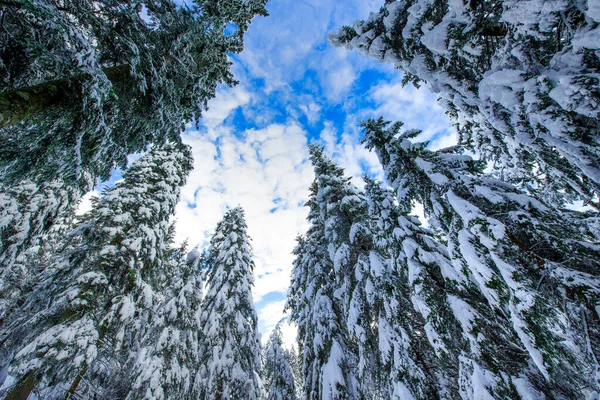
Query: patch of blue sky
231	29
116	174
269	298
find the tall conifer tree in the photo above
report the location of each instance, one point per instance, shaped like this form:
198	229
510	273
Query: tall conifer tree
278	368
168	359
417	335
344	212
101	289
532	269
230	351
329	357
520	80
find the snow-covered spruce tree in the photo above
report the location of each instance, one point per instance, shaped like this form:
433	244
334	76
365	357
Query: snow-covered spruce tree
92	81
520	79
418	337
230	347
535	269
83	84
165	366
329	358
99	294
426	349
345	216
278	369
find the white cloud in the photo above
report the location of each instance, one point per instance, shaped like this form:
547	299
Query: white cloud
417	109
346	151
85	204
270	316
266	171
337	74
282	47
445	139
289	333
226	100
311	110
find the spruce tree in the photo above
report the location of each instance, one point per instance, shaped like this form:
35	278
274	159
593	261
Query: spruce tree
108	78
518	79
168	359
417	336
278	369
230	352
329	357
532	269
98	294
344	212
84	84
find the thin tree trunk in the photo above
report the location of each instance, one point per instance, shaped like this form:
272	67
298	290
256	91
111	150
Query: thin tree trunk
83	371
25	103
23	389
75	383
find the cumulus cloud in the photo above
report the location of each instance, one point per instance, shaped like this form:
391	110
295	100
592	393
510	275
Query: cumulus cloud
270	315
266	171
416	108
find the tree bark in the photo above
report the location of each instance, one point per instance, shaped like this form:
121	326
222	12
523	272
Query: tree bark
23	389
25	103
75	383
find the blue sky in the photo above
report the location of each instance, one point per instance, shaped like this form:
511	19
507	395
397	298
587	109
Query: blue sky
250	147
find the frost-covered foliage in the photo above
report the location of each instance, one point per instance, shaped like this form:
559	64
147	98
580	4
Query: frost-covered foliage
417	337
94	302
92	81
519	78
524	281
230	349
120	76
278	369
168	359
329	358
27	212
348	235
21	274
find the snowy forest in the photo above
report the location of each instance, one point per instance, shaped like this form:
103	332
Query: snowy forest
492	291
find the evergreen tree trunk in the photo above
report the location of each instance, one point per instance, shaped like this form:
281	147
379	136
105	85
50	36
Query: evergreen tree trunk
22	390
75	383
25	103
